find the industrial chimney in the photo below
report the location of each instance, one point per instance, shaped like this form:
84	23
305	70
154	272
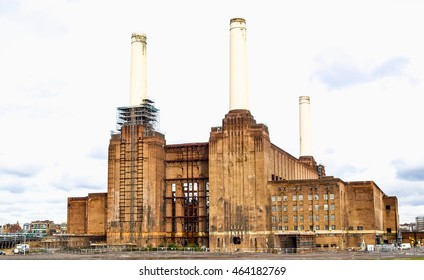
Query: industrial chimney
238	65
305	132
138	74
305	126
141	110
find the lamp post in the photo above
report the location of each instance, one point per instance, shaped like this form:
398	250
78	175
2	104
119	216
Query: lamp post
25	243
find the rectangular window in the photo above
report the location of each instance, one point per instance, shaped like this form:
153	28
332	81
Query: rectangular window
333	217
325	196
325	217
310	207
317	218
294	218
311	227
280	228
333	227
295	227
286	227
332	207
285	208
387	207
316	197
294	208
389	230
300	196
309	196
316	207
274	208
325	207
279	198
286	218
310	218
294	197
331	196
301	207
273	228
316	227
280	219
273	219
280	208
360	228
301	218
302	227
273	198
326	227
285	198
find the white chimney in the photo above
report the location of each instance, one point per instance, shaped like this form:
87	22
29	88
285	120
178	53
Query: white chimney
138	74
238	65
305	126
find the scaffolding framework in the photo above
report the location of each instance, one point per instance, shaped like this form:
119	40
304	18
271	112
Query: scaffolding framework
145	114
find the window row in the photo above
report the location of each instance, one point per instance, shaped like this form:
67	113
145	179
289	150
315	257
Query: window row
300	197
302	227
284	208
300	218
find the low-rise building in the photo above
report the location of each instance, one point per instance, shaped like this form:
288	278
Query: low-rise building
43	228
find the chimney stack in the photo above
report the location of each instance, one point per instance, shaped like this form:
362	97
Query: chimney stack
138	74
305	126
238	65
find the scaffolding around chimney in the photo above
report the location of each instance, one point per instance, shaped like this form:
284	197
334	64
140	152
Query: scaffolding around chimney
145	114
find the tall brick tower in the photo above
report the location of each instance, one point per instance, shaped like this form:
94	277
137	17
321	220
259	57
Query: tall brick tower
136	173
238	160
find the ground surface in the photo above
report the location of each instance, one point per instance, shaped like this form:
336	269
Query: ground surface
407	255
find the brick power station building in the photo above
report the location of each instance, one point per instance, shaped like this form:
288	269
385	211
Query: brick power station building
238	191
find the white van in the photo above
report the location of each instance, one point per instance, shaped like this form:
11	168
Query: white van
405	246
21	249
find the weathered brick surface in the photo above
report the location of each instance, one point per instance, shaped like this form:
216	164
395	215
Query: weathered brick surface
340	214
96	213
77	209
220	194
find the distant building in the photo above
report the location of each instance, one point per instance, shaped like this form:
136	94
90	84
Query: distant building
408	227
62	228
419	221
11	228
26	227
43	228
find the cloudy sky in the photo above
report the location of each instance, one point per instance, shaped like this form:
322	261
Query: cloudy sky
64	68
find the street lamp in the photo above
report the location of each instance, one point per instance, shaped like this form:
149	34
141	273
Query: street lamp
25	243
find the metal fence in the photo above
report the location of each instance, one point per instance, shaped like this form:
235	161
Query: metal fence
379	249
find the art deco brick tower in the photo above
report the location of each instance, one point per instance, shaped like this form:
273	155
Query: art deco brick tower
238	161
136	173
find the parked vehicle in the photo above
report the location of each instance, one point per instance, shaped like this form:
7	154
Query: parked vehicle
405	246
2	252
21	249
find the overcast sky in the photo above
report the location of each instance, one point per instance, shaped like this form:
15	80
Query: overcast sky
64	68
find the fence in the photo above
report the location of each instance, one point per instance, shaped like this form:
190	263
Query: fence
378	249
